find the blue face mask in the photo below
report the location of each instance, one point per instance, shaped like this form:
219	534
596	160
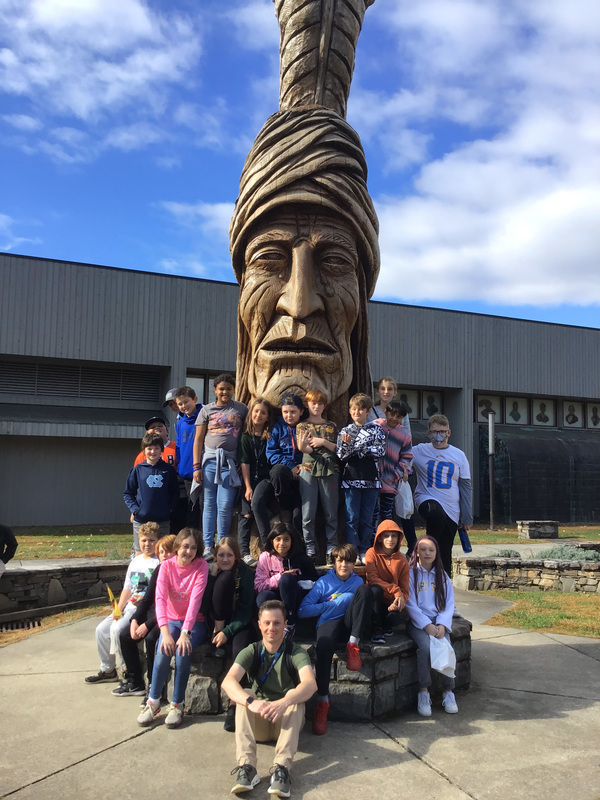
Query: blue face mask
437	437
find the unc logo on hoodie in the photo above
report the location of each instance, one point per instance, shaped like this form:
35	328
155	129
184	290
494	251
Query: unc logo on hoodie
154	481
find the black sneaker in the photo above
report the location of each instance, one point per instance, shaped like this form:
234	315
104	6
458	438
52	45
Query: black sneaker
387	632
378	637
130	688
229	724
280	781
103	677
329	560
246	778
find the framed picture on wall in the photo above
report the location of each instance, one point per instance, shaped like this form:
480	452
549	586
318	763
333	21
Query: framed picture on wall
431	403
486	403
516	411
543	412
572	414
593	415
411	398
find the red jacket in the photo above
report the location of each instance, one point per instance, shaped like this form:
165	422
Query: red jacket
388	571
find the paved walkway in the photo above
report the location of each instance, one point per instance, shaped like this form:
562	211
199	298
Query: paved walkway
528	728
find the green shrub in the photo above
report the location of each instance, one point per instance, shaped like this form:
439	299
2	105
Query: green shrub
508	553
564	552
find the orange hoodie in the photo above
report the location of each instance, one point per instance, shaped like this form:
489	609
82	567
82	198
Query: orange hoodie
389	571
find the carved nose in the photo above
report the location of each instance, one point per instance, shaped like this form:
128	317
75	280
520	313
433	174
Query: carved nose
300	298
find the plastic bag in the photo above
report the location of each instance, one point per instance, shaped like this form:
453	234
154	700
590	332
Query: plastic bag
442	656
404	504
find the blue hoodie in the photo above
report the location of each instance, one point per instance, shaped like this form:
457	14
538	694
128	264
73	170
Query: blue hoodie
317	602
185	429
282	447
151	492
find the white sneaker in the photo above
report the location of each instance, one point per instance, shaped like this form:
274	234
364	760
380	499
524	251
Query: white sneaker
456	613
252	562
424	704
175	715
149	713
208	554
449	703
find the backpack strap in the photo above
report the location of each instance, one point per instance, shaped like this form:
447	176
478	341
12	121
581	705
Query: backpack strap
255	666
287	660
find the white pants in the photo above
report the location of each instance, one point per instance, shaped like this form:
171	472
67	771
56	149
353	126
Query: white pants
107	638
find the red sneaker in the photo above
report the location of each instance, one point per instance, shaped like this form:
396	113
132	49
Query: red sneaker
353	662
320	717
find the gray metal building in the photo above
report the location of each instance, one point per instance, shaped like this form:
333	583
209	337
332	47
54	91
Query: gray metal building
87	353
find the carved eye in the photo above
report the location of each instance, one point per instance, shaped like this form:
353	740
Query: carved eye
336	263
268	260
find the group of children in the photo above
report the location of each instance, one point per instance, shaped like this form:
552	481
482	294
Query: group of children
175	598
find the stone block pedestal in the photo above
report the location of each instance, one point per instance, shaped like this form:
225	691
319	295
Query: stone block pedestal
537	529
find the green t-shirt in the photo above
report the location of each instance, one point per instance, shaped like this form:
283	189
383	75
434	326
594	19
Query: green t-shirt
279	682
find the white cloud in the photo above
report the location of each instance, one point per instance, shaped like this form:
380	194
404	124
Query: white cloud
255	25
210	217
22	122
134	137
168	162
508	212
86	58
8	238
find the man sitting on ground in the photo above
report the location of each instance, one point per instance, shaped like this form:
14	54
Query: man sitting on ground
282	680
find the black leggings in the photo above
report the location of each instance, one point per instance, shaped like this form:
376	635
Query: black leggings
440	527
280	486
131	655
355	622
222	608
288	592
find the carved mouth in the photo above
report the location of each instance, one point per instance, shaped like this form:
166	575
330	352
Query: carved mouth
303	347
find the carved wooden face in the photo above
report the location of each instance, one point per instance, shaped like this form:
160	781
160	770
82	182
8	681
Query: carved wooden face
299	303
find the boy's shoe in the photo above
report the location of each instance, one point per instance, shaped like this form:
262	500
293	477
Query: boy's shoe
280	781
319	721
149	713
378	637
329	560
175	715
387	632
252	562
229	724
353	662
217	652
103	677
130	688
424	704
246	779
449	703
289	631
209	554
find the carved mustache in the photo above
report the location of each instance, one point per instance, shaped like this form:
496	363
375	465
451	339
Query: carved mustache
312	335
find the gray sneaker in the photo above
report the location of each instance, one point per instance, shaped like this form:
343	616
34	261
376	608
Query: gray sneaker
175	715
280	781
103	677
424	704
252	562
449	703
246	778
209	554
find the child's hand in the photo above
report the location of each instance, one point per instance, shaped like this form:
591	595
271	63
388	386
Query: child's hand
432	630
214	569
315	441
441	632
184	644
197	475
346	438
167	646
219	639
249	493
303	441
296	472
140	630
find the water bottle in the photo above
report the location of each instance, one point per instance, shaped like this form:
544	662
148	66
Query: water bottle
464	540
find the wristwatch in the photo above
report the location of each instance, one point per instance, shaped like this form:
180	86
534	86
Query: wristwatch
185	630
249	700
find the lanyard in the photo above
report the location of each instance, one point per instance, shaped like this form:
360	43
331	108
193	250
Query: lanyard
260	682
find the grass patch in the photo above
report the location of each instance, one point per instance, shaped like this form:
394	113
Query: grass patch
509	535
10	637
80	541
574	613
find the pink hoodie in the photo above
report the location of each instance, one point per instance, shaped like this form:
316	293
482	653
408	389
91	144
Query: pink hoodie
179	592
269	571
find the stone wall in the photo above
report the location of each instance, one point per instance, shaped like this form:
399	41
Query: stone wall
386	684
45	585
526	574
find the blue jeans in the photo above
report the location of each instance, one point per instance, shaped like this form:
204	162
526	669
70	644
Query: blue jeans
162	663
218	500
360	505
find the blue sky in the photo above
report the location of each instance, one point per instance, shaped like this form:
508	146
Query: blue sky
124	125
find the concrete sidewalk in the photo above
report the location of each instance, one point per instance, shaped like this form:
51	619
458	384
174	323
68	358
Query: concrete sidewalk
528	728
